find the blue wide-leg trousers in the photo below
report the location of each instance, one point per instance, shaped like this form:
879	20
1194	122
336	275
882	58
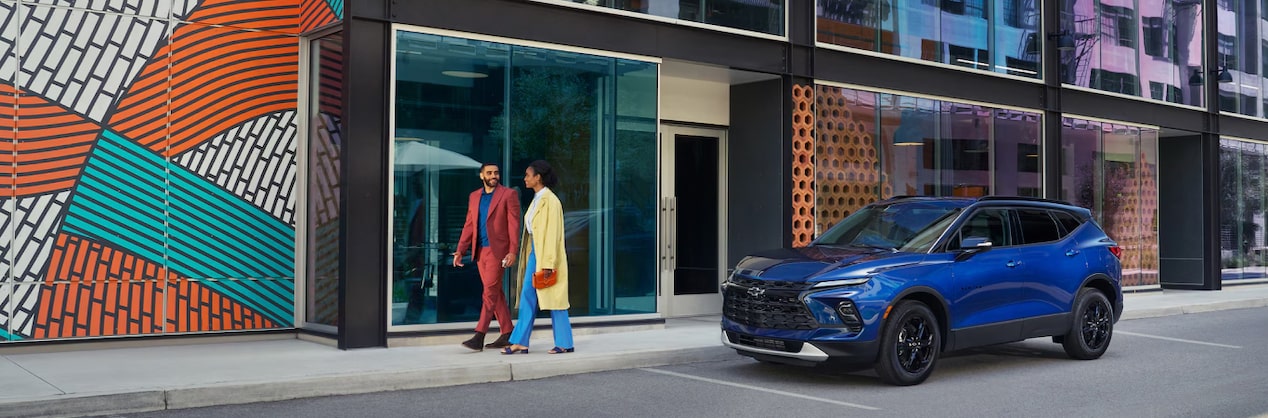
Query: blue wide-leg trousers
528	311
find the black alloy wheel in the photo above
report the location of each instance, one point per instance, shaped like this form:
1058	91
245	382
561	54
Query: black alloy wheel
910	343
1093	326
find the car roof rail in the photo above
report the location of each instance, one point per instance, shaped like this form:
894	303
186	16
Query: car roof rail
1025	198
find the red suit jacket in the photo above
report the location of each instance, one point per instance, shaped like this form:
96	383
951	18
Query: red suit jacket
503	223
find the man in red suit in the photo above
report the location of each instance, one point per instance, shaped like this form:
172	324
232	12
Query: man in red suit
492	233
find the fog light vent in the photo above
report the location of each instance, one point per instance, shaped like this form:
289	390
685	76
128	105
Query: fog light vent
850	315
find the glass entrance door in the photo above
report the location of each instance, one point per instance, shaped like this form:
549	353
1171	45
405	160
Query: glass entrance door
692	234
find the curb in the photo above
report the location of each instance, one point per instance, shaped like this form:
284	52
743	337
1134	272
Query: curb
1196	308
349	384
80	405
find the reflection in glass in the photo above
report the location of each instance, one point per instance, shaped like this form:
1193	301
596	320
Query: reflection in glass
1147	48
1017	163
922	147
766	16
462	102
847	158
1242	209
999	36
322	286
1112	170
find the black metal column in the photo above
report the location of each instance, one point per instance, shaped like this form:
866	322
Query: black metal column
1051	99
363	196
1211	149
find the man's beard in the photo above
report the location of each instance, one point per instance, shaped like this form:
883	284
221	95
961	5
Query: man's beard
491	183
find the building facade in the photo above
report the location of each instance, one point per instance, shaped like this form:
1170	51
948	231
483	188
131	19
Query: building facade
191	167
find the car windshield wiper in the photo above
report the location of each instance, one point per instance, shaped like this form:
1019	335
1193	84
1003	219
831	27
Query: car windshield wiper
874	247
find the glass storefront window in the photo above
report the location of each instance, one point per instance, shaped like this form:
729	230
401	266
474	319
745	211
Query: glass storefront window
1144	48
872	146
325	105
461	102
1018	168
1243	248
1000	36
765	16
1112	170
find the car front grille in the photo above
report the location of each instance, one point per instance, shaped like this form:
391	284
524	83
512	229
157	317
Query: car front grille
767	304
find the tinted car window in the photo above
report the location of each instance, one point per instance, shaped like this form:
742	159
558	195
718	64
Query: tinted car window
989	223
1067	220
888	226
1037	226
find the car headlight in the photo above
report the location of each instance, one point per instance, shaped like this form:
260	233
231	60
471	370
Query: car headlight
842	282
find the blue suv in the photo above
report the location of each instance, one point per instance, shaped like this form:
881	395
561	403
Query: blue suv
901	281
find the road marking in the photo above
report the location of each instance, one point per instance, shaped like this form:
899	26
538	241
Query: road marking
1181	340
760	389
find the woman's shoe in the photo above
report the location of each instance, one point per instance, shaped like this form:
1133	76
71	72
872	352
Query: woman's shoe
514	350
558	350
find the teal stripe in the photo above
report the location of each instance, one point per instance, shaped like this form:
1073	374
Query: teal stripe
125	210
5	335
146	166
150	221
337	7
213	216
249	247
186	185
277	310
187	254
210	232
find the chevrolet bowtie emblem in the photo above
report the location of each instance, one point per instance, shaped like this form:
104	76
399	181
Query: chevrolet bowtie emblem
756	291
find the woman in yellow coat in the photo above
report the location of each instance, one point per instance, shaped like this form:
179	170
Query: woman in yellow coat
542	250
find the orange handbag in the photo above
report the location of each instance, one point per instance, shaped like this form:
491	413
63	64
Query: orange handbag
542	279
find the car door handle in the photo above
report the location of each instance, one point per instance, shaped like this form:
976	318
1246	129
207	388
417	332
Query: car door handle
1071	253
1012	264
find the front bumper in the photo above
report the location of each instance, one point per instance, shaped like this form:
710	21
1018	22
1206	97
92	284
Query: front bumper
801	352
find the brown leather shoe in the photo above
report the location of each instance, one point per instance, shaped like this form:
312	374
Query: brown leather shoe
503	341
476	343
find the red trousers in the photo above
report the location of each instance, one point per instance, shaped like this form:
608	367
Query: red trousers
491	273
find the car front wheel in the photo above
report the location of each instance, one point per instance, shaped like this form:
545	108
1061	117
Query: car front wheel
910	343
1093	326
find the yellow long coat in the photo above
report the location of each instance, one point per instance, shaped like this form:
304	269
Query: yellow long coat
548	240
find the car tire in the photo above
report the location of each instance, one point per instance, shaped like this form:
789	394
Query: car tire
1092	327
911	341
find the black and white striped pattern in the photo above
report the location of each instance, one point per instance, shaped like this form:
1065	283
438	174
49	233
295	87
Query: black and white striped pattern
84	59
175	9
30	228
9	21
255	161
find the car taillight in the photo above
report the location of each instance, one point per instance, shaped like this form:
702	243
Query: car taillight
1117	251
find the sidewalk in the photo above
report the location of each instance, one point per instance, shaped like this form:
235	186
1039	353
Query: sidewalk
92	382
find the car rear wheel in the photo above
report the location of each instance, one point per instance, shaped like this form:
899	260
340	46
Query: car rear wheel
910	343
1093	326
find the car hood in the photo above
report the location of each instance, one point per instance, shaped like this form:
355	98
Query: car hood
816	263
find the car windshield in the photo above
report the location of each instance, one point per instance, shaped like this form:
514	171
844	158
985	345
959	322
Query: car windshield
904	226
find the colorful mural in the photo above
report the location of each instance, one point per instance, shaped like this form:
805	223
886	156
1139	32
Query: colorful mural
150	152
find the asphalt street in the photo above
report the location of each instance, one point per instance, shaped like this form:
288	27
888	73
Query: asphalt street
1208	365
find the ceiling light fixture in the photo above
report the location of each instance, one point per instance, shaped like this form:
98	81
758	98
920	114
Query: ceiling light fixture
464	74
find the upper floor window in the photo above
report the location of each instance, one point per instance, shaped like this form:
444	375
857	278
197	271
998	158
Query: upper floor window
1017	15
1117	25
1157	42
766	16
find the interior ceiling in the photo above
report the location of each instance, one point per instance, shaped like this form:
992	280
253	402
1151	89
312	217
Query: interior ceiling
716	74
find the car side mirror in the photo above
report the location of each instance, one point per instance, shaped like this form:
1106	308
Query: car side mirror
970	246
979	243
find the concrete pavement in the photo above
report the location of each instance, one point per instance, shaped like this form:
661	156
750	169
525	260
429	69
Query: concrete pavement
279	367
